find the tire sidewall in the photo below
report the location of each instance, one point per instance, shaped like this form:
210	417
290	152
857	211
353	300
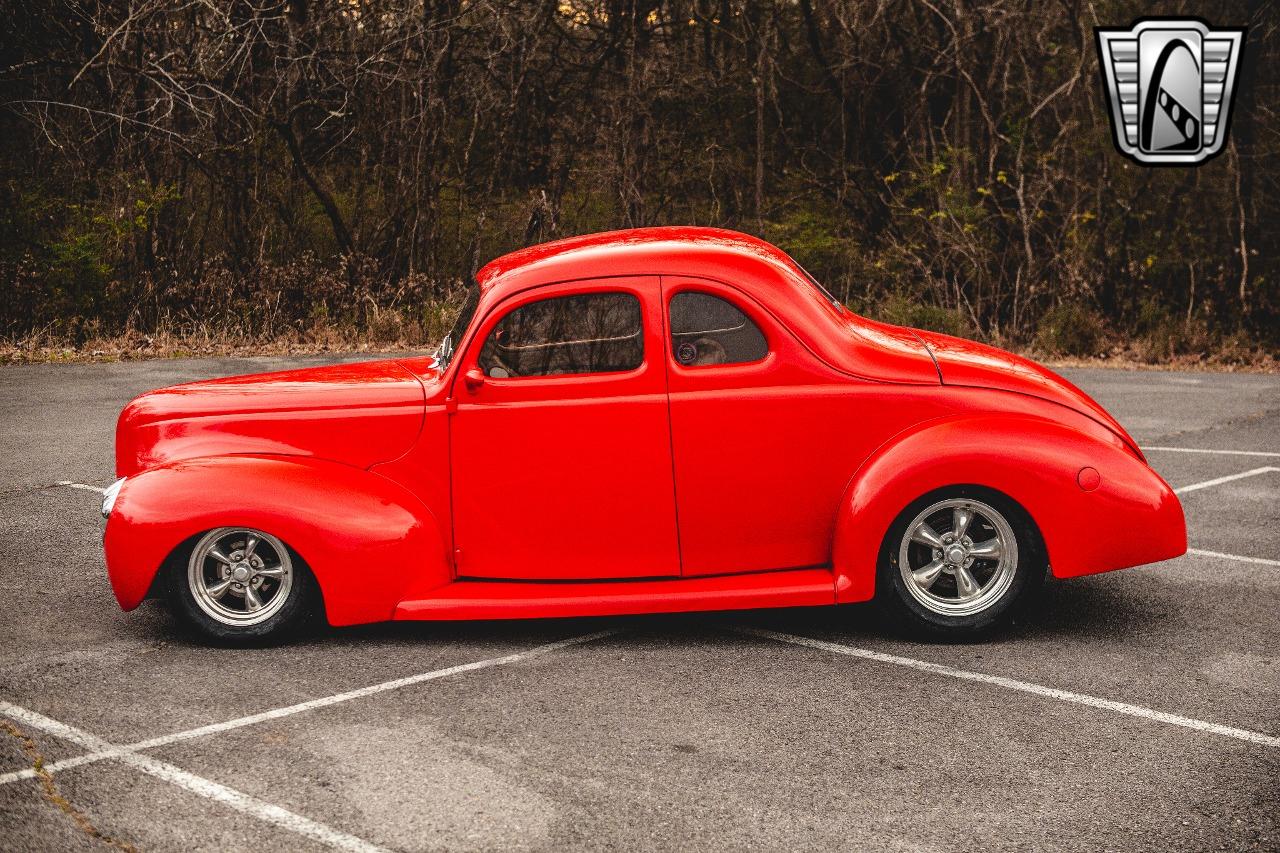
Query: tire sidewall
1028	575
298	610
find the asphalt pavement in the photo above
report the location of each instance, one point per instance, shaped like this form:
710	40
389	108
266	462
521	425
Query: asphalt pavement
1135	710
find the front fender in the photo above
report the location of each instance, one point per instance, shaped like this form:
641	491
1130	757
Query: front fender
365	538
1131	517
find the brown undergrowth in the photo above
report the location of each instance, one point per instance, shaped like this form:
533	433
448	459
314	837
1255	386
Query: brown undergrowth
145	347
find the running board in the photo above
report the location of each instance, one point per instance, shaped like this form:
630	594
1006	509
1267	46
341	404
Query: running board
486	599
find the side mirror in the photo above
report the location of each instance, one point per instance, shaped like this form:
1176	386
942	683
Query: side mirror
473	378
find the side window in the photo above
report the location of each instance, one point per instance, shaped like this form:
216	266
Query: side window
706	329
587	333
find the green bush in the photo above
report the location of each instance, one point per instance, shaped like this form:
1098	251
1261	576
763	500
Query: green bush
1070	329
906	311
1160	335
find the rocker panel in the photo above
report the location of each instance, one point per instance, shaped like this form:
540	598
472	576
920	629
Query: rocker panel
485	599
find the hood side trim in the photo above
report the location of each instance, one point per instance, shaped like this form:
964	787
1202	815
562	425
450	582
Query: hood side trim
932	357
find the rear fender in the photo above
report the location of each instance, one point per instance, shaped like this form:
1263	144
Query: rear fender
365	538
1131	517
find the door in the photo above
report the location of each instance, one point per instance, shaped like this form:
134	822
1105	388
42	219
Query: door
761	434
561	444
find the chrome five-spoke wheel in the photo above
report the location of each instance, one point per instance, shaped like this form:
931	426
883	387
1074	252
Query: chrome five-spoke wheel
958	557
239	576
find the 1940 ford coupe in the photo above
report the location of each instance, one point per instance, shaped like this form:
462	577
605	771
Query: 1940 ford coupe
657	420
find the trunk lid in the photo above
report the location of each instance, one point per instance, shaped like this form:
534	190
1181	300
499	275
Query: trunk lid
964	362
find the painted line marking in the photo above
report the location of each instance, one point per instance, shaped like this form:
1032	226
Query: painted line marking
199	785
1217	452
1221	556
1218	481
120	751
1022	686
70	485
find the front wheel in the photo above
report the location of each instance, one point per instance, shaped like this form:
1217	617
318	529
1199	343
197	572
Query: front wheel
241	585
958	562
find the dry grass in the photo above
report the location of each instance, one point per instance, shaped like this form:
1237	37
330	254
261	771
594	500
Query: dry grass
1265	364
223	332
54	795
1225	356
136	346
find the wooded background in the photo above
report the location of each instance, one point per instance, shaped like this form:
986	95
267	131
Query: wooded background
332	171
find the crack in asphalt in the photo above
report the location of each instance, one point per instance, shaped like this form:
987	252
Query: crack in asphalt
53	794
1241	420
60	484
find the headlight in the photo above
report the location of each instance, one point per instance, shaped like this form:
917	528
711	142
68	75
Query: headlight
109	496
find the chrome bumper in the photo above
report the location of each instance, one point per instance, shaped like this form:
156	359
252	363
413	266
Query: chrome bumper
109	496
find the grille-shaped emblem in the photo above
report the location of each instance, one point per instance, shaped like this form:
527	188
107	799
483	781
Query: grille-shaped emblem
1169	84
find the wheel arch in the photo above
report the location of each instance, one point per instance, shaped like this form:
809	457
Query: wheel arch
1033	462
364	538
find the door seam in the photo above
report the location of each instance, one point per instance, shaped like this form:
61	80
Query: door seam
671	432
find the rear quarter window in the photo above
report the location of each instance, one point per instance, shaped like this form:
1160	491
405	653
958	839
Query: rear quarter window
707	330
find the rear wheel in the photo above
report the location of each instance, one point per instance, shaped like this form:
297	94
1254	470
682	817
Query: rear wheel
958	563
242	585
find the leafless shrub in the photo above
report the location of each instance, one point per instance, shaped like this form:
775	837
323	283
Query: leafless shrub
280	170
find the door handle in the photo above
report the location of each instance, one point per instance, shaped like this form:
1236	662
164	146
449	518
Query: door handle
473	378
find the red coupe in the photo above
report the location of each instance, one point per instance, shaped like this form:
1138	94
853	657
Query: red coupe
657	420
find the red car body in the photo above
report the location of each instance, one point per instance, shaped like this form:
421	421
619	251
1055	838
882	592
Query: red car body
418	492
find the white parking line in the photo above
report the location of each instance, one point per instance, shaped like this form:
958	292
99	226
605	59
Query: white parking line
1217	452
1237	557
1218	481
1022	686
70	485
195	784
115	752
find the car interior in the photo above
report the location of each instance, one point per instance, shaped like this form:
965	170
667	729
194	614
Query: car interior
707	330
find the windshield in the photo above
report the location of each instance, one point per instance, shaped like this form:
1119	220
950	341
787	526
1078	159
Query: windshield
444	353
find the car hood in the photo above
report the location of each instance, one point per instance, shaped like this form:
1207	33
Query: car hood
358	414
965	362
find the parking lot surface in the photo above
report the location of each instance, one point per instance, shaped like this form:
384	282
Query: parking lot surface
1136	710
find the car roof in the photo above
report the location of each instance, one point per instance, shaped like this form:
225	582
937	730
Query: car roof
686	250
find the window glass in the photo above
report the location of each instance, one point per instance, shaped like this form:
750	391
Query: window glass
706	329
444	353
587	333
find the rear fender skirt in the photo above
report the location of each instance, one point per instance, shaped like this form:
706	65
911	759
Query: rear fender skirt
1128	517
365	538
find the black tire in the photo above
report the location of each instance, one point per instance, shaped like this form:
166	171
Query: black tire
906	609
302	606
